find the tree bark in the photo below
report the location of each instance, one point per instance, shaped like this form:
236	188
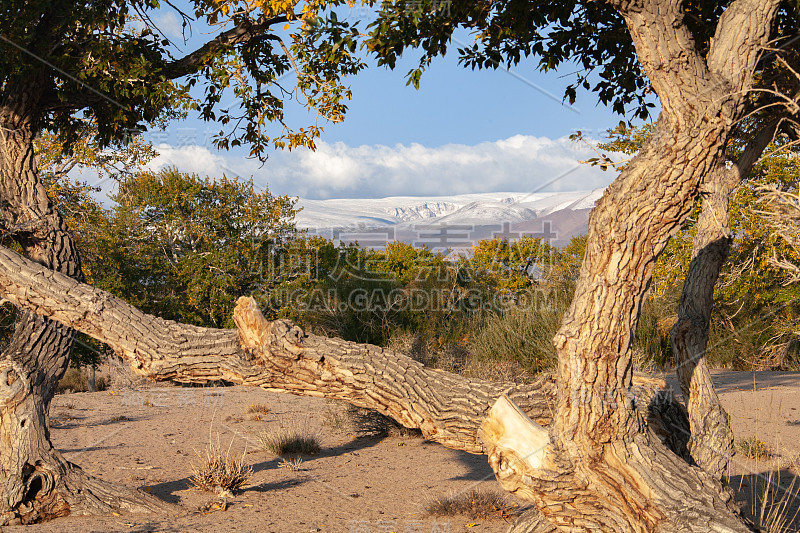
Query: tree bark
711	440
37	482
279	356
91	383
603	471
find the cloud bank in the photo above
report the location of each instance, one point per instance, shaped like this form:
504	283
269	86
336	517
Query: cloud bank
335	170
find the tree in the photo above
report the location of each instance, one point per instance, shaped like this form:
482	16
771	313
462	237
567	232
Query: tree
77	203
604	466
721	222
279	356
685	52
186	248
104	61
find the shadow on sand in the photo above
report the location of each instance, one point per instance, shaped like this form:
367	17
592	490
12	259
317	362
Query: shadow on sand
772	493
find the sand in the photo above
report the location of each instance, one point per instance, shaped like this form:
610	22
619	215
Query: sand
149	438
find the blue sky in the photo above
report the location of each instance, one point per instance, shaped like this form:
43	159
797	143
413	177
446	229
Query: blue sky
464	131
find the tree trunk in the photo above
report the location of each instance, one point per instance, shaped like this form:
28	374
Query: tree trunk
605	467
711	440
603	471
37	482
91	384
279	356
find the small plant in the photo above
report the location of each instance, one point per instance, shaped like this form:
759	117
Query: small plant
773	508
285	441
258	408
294	465
120	418
752	448
335	416
474	504
220	472
794	463
345	417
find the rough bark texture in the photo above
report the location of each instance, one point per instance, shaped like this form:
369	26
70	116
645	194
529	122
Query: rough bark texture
604	471
711	440
37	482
278	356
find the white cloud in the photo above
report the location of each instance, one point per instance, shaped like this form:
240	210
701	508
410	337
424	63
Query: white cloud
335	170
169	23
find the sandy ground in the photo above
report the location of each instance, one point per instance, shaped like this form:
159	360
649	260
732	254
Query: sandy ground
148	438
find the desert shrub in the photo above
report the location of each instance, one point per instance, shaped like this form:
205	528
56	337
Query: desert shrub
288	441
475	504
652	348
345	417
496	370
258	408
523	336
222	473
753	448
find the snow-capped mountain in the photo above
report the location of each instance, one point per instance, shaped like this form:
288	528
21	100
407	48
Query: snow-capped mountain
472	217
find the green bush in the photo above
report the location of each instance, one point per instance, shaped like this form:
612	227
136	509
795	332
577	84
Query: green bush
522	335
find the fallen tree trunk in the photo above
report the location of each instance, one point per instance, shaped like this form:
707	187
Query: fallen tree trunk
279	356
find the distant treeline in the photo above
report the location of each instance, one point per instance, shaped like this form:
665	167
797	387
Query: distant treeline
185	248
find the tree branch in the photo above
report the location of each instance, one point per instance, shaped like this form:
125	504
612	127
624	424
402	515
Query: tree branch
240	34
742	33
750	155
279	356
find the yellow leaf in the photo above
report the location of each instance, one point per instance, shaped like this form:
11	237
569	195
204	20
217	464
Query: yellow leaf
471	525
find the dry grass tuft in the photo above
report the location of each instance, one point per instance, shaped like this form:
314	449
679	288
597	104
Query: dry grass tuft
258	408
294	465
220	472
345	417
752	448
474	504
774	507
288	441
794	463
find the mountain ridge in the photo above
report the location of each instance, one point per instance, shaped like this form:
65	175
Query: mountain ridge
481	215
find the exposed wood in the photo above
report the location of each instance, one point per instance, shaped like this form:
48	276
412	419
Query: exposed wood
514	443
279	356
